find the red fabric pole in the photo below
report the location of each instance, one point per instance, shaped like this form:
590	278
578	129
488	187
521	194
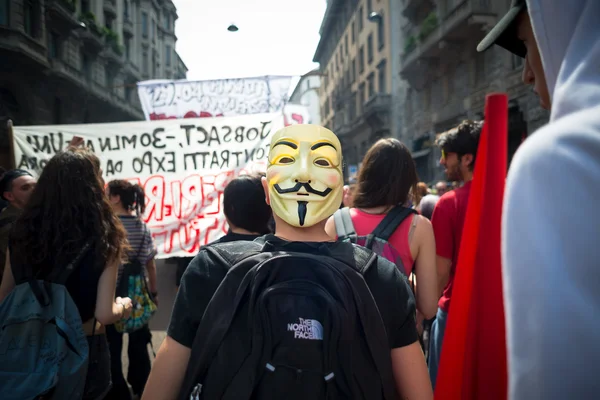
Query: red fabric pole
473	361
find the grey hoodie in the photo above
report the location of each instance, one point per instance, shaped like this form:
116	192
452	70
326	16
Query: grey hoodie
551	218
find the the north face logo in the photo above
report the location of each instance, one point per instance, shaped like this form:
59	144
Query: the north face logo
307	329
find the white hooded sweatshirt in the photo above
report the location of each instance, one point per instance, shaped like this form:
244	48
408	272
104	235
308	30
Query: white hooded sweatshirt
551	218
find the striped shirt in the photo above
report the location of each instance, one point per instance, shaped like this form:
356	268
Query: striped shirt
140	241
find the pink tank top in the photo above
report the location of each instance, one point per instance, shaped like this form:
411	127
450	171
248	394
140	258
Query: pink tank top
365	223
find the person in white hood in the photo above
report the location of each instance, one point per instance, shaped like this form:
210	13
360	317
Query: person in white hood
551	216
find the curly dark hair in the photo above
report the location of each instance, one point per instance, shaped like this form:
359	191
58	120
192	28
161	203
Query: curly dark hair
464	139
67	209
132	196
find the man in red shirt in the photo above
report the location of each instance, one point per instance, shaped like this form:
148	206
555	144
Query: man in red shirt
459	149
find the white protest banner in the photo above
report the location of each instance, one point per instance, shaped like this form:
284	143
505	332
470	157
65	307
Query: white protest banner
183	166
174	99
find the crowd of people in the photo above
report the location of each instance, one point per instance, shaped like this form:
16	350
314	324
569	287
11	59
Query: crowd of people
319	290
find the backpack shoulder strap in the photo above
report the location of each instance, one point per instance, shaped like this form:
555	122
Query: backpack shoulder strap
343	223
61	276
231	253
364	258
8	220
392	220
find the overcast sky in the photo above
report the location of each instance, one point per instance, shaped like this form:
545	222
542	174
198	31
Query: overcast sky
275	37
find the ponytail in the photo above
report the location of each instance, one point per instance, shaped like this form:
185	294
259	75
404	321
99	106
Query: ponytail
139	199
132	196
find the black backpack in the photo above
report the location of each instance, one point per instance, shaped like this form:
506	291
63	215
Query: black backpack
290	325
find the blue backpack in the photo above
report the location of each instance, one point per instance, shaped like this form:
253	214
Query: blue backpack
43	349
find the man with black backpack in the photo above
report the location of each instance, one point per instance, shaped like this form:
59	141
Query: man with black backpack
294	314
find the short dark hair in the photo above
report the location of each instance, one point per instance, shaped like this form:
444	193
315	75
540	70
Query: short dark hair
244	204
464	139
387	175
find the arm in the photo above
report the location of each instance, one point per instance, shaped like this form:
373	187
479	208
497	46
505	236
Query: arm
107	310
443	230
168	371
8	280
443	267
408	362
425	269
151	268
198	284
330	228
410	373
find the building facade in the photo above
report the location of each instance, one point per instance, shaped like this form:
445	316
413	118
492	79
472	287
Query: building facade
78	61
306	94
357	61
448	79
432	76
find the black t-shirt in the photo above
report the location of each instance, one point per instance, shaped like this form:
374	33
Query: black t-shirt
82	284
183	262
389	287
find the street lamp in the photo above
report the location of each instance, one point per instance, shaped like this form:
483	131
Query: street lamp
233	28
375	17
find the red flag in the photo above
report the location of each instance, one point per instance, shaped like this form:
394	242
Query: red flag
473	360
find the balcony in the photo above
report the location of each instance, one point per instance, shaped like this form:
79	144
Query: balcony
60	14
70	76
436	38
23	51
128	28
92	37
110	8
415	10
376	111
113	51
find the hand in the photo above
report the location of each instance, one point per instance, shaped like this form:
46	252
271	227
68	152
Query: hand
127	305
76	141
154	296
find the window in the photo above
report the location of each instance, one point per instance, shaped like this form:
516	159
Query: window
353	71
346	43
127	45
153	30
167	21
145	24
168	56
361	59
360	19
85	6
371	82
108	21
369	6
361	96
517	62
145	64
30	17
381	84
86	67
128	92
353	32
381	33
126	10
370	48
4	12
53	45
154	62
57	111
